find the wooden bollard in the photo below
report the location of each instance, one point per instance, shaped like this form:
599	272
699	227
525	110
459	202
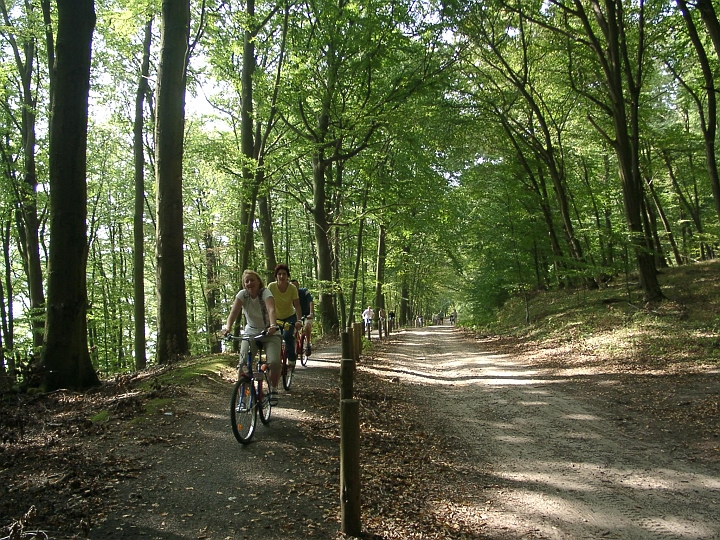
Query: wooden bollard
347	346
350	467
347	369
357	338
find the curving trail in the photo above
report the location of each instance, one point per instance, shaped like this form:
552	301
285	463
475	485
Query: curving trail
553	460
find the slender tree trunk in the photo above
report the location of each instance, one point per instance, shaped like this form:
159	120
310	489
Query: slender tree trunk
405	291
380	270
139	216
66	359
7	308
247	139
267	235
356	271
214	322
708	122
665	222
624	88
24	54
328	313
172	340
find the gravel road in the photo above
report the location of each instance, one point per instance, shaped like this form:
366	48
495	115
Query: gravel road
556	464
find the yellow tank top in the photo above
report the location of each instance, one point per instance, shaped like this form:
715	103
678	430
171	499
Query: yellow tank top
284	307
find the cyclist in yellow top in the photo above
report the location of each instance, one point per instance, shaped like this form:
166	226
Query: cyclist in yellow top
287	308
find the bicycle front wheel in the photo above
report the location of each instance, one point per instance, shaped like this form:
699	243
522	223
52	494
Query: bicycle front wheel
301	351
287	374
263	394
243	414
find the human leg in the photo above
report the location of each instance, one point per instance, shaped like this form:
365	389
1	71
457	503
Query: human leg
289	337
272	354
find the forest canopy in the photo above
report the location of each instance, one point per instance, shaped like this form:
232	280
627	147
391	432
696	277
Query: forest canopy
421	157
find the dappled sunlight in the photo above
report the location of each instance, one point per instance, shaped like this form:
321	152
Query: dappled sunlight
585	494
552	462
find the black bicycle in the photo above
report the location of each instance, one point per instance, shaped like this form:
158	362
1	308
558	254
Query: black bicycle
251	395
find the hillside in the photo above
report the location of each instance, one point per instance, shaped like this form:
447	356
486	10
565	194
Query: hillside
611	328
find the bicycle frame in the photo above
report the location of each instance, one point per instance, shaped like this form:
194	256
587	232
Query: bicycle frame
251	393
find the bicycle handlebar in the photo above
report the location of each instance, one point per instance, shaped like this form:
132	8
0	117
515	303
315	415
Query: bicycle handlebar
232	337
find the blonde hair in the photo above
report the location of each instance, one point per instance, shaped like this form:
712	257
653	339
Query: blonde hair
251	273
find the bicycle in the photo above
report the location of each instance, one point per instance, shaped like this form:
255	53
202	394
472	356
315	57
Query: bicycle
251	394
368	329
300	338
287	370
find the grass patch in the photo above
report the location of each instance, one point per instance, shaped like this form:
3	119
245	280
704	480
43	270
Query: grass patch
101	417
188	372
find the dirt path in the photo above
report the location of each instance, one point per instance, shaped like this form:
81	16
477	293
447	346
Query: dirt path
556	463
532	452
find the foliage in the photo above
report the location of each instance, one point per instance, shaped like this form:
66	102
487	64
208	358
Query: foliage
473	133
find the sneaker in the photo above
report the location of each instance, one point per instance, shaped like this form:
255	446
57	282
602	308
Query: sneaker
308	349
274	399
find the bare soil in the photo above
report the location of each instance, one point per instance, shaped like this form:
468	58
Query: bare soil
461	437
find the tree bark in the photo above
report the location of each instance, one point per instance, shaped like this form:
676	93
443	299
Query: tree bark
380	269
623	82
139	216
26	193
708	122
172	340
66	359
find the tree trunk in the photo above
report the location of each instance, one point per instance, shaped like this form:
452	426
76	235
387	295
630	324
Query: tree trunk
328	313
623	91
172	340
380	270
708	122
66	359
267	235
139	216
214	322
24	54
6	310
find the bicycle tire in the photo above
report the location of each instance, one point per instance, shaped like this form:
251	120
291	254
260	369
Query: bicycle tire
287	374
301	351
263	395
243	412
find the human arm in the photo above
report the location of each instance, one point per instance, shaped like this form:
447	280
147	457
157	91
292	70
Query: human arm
270	305
298	312
232	317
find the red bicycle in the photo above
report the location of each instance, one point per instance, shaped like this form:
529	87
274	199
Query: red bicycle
287	370
300	343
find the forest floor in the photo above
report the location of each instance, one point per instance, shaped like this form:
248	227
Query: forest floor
463	436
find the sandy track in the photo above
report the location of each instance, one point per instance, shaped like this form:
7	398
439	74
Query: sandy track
554	462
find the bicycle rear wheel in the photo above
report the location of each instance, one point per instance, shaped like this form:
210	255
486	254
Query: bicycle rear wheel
287	374
243	413
263	394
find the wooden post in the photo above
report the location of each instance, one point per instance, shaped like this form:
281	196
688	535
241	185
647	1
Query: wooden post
350	467
357	338
347	369
347	346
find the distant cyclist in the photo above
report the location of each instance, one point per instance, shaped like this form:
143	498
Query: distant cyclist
368	315
287	307
307	308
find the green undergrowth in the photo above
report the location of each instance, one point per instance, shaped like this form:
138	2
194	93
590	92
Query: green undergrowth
614	323
189	371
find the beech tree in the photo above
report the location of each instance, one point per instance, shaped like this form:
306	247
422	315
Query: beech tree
65	357
172	337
